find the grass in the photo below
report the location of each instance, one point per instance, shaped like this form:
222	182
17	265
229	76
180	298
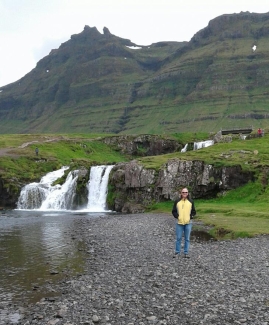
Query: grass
234	219
67	152
54	151
16	140
242	212
25	169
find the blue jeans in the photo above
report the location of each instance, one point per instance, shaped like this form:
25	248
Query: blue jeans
180	229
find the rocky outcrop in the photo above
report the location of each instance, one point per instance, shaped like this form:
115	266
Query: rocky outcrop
81	196
143	145
9	193
135	187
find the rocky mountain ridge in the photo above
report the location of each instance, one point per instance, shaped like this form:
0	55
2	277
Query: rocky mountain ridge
102	83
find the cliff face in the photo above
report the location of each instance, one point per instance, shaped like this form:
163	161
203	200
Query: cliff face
143	145
135	187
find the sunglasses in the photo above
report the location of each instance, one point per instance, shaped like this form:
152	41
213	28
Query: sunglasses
184	192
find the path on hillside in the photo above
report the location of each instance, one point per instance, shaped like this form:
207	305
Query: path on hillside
10	151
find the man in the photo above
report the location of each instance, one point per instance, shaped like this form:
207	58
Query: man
183	211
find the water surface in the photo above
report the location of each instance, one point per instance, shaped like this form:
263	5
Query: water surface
38	248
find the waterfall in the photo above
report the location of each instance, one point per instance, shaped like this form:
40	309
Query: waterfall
45	196
60	197
97	188
202	144
185	148
31	196
199	145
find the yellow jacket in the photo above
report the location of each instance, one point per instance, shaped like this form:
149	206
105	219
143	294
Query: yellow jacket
184	210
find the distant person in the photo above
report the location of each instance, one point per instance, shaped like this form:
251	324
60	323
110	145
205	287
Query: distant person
36	151
183	211
259	132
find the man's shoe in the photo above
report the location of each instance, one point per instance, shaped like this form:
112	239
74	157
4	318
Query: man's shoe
176	255
187	256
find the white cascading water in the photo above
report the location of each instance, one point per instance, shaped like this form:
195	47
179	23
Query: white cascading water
60	197
185	148
202	144
97	188
31	196
44	196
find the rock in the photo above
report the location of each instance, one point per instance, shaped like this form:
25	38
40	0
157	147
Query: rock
134	187
95	319
143	145
53	322
53	272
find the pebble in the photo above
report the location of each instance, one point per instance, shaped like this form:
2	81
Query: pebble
132	278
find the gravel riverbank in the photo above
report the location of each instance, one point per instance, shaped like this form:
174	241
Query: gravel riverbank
131	277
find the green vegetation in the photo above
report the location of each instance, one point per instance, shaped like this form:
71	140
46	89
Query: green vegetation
227	220
55	151
242	212
189	137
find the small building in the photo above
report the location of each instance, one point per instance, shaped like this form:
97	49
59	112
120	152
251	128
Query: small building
235	130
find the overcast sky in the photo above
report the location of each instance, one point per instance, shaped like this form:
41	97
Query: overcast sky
29	29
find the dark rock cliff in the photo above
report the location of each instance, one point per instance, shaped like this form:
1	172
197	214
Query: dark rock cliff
9	193
135	187
143	145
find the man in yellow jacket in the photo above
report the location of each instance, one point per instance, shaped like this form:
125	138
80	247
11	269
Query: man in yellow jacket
183	211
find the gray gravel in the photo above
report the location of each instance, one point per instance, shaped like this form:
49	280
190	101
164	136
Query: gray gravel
131	277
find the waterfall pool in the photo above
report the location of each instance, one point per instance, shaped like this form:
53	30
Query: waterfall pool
38	248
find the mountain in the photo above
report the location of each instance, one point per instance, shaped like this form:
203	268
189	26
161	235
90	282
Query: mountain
101	83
